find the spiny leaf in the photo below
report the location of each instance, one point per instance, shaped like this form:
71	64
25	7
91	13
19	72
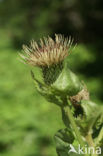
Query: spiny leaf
46	91
92	114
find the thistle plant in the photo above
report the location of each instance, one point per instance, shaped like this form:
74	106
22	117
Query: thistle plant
83	119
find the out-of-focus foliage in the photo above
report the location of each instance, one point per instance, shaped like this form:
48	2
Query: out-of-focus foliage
28	19
27	121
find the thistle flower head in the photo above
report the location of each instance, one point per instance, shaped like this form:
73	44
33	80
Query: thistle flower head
47	52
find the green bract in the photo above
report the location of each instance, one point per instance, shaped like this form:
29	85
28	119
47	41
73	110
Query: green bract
67	83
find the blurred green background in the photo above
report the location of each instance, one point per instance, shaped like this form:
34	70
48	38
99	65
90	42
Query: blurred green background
27	121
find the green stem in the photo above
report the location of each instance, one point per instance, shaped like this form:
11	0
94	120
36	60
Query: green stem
90	142
100	136
69	117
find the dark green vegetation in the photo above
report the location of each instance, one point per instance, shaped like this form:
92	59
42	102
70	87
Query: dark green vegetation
27	121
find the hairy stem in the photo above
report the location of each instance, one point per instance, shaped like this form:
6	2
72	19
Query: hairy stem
68	117
89	139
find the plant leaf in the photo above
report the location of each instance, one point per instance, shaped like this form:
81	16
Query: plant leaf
64	138
46	91
67	83
92	114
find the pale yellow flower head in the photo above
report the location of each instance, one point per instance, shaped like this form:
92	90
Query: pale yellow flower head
47	52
